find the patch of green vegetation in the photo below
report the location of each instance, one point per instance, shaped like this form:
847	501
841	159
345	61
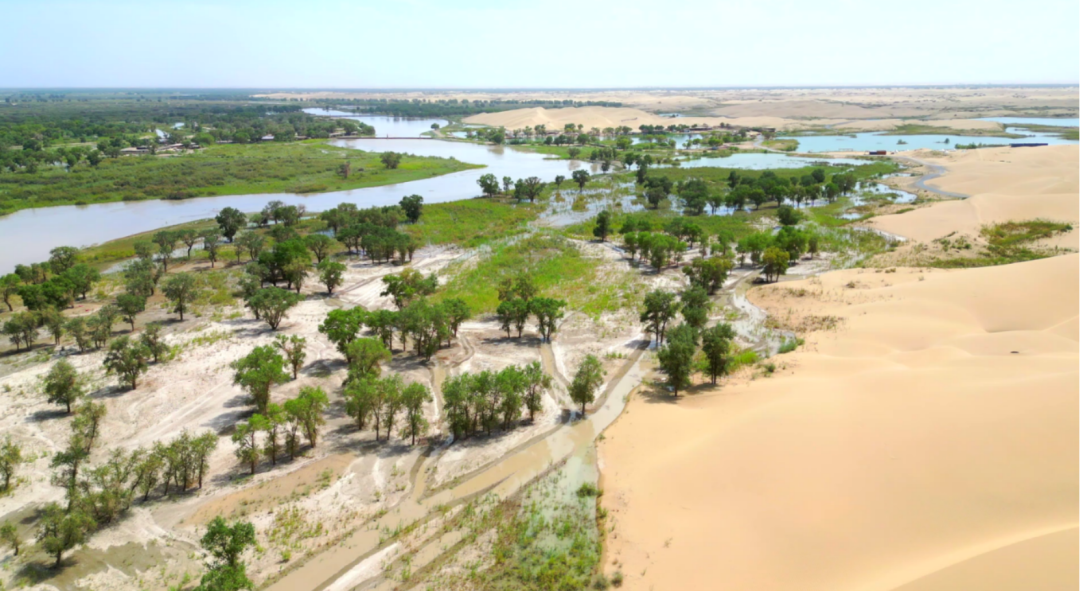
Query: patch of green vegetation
786	145
1010	242
1069	133
268	167
922	129
472	222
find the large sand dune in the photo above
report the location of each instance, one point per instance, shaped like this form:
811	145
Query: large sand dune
601	117
928	443
1005	184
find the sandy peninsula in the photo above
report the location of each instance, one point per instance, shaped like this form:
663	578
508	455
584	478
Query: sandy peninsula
926	442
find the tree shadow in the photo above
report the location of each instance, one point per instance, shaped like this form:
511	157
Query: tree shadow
526	340
115	391
40	416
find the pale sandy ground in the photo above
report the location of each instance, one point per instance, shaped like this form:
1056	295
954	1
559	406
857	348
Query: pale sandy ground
927	443
1005	184
794	103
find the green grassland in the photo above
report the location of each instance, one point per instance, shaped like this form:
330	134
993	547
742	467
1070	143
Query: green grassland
302	167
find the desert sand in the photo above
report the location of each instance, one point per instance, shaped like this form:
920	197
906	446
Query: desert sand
1005	184
843	103
927	442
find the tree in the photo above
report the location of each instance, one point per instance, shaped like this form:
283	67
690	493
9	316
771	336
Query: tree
408	285
364	356
275	419
180	289
251	242
76	327
413	398
787	215
293	348
677	357
603	225
361	398
532	187
390	160
776	263
716	344
548	312
695	306
246	439
226	543
342	326
10	458
189	237
211	241
9	535
559	180
536	381
273	303
63	385
489	185
307	410
257	372
62	258
166	243
513	314
457	311
130	305
709	273
589	377
331	273
660	308
9	286
60	531
581	177
22	328
413	206
127	359
53	321
154	342
319	245
389	404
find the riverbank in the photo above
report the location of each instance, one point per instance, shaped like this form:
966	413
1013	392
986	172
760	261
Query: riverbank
926	437
307	167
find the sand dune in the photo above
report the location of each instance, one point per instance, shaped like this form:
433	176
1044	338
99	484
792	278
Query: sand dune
928	443
1005	184
601	117
910	443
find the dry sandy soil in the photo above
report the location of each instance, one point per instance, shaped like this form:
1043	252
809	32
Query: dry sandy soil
926	442
792	103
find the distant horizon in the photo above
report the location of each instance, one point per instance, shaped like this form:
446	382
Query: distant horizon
549	88
518	45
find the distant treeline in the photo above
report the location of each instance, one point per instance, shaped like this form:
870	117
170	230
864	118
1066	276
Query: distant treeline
452	107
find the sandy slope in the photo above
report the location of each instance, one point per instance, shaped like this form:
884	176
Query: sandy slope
930	442
1005	184
601	117
902	448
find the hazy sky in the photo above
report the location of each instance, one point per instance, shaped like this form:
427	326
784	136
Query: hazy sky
509	44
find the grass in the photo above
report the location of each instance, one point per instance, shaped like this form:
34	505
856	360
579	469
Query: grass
301	167
920	129
472	222
1069	133
786	145
1010	242
558	268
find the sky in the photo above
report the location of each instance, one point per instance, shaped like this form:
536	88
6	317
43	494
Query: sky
273	44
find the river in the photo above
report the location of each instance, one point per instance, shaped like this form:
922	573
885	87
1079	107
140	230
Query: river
37	231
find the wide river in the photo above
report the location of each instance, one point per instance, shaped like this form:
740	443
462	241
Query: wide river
27	236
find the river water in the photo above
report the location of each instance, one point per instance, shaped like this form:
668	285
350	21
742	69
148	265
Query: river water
37	231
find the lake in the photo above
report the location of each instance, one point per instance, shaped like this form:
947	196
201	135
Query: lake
871	141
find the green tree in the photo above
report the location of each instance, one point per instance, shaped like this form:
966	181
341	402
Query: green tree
676	359
343	326
166	243
154	342
62	258
226	544
22	329
548	312
660	309
716	345
247	442
489	185
457	311
9	286
293	348
189	237
589	377
64	385
408	285
331	273
581	177
53	321
127	359
603	225
536	382
361	399
273	303
307	410
9	535
413	398
513	314
251	242
257	372
413	206
776	263
180	289
695	306
76	327
364	356
390	160
709	273
787	215
130	305
87	422
60	530
319	245
211	241
276	418
10	458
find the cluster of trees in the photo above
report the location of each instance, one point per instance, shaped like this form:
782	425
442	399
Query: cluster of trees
278	429
454	107
521	189
373	231
679	345
777	251
56	283
378	401
518	301
491	400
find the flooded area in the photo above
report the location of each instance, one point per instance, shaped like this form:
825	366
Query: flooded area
872	141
